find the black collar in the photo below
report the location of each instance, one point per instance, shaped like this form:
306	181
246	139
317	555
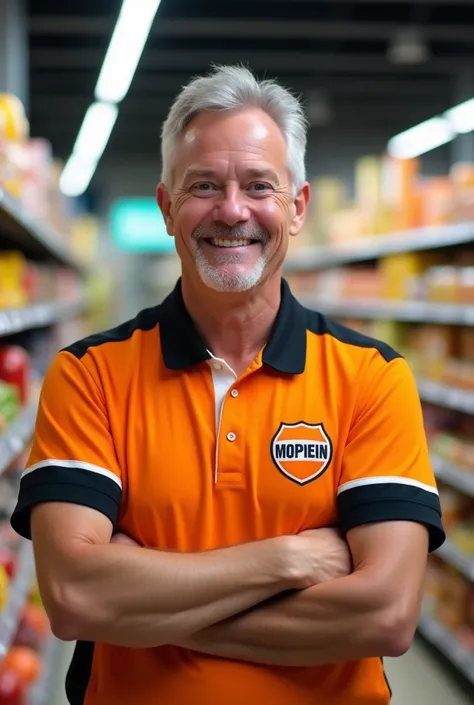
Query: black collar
182	345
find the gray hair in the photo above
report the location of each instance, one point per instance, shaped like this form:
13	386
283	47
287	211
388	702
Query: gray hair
231	88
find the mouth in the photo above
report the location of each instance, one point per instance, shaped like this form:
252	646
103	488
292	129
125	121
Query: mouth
220	242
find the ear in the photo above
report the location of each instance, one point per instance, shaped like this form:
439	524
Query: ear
301	203
164	201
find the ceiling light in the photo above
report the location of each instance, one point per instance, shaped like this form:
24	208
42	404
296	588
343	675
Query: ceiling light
461	117
422	138
125	49
95	131
76	176
408	47
319	110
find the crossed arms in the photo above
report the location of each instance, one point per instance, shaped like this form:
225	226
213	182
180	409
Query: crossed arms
289	600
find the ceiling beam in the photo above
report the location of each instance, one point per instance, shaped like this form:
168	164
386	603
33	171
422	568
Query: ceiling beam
197	60
447	3
258	28
144	107
52	84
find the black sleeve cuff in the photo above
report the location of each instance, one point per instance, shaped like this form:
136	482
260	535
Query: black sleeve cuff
61	484
392	502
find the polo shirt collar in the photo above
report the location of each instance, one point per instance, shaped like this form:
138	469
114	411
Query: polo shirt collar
183	347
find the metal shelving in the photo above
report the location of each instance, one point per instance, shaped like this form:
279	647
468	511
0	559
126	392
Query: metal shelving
37	240
410	311
17	597
444	395
17	436
371	248
448	645
457	559
462	480
16	320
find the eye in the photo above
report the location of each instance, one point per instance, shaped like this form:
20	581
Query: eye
204	187
260	187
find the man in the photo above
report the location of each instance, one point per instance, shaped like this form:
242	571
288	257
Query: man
192	469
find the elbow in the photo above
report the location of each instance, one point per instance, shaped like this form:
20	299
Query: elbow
397	630
68	613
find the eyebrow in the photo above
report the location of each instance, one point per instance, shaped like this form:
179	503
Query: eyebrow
253	173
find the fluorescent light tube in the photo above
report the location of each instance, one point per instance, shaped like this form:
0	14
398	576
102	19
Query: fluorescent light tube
422	138
125	49
76	176
95	131
461	117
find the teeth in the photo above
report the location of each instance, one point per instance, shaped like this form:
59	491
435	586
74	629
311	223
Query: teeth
230	243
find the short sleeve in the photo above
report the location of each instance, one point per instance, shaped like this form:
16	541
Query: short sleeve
73	457
386	470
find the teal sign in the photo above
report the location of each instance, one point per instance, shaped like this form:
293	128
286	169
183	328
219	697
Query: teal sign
137	225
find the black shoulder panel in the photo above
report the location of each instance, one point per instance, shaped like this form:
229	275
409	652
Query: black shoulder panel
320	325
145	320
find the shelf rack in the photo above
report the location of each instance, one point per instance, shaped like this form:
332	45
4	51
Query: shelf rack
35	239
17	597
316	258
38	242
448	645
313	257
409	311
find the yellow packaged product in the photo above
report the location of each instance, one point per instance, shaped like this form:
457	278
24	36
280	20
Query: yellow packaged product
12	280
328	196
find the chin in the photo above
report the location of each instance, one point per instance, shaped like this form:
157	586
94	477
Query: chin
218	279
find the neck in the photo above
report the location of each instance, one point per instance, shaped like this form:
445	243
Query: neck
234	326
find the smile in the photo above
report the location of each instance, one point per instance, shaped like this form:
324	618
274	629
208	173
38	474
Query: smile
217	242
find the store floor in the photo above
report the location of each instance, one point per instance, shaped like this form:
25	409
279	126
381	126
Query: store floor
417	678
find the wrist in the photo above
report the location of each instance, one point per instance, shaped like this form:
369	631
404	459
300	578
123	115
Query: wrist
289	569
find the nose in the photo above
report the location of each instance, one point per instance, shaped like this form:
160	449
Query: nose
231	207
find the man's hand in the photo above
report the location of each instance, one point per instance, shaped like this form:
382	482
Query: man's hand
331	552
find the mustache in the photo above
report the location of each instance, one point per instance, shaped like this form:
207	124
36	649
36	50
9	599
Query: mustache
238	232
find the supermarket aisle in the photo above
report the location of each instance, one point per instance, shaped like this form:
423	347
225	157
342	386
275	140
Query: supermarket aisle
416	679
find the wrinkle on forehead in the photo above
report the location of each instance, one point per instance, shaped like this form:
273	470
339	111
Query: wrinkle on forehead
247	133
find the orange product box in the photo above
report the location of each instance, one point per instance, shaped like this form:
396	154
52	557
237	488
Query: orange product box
437	198
401	193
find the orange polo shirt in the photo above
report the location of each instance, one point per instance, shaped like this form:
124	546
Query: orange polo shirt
143	424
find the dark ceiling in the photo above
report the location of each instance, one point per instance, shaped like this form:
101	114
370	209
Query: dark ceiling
331	45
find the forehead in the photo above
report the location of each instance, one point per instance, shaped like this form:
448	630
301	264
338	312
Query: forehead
242	137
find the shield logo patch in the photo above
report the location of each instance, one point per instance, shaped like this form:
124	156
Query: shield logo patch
301	451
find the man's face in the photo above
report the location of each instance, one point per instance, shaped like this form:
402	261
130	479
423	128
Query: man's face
230	209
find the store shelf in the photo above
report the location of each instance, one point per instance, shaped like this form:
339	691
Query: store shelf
448	645
416	311
43	691
17	436
15	320
17	597
462	480
446	396
371	248
35	239
457	559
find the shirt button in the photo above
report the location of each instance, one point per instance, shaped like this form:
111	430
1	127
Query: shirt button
234	393
217	366
231	436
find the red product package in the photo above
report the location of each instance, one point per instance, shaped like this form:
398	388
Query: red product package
15	369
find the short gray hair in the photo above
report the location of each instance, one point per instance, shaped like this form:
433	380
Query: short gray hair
231	88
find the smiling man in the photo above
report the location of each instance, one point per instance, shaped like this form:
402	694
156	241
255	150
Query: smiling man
225	501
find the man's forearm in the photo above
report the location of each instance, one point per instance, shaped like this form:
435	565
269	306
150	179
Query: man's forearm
340	620
136	597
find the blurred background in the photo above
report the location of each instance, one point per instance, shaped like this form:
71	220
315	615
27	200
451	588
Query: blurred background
388	88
